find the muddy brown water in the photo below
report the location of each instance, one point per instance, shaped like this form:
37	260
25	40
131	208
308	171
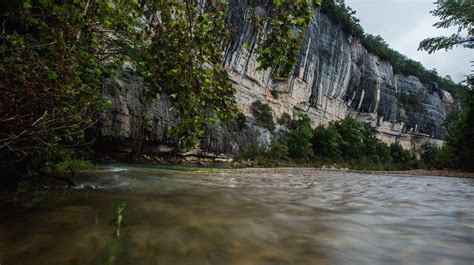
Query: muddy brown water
314	217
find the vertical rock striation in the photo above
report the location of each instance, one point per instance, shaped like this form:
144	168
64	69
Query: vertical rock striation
335	77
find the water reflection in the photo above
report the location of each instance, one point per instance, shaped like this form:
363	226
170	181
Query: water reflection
304	217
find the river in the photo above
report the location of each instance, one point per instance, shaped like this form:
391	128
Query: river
231	217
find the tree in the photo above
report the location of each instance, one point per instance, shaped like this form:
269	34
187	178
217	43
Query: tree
458	14
428	153
53	56
263	115
351	132
460	138
299	138
326	142
184	61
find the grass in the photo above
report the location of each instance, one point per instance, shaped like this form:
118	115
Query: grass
119	220
188	168
75	165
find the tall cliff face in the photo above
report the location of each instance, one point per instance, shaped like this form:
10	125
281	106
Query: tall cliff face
335	77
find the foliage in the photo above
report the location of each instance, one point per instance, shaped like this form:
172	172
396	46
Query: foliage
326	141
428	153
298	139
347	142
460	138
263	115
459	14
241	120
288	21
278	150
351	133
412	103
285	120
119	219
74	165
404	158
53	56
184	61
344	15
444	158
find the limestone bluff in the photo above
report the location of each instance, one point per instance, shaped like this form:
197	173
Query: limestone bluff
335	77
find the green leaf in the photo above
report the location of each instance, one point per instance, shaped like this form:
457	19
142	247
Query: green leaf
52	75
27	5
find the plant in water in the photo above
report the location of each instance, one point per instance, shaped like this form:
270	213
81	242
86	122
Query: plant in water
119	220
74	165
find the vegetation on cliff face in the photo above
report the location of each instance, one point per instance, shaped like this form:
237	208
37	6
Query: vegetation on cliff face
263	115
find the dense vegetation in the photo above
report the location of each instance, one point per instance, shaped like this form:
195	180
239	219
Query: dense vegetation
347	143
263	115
458	151
54	55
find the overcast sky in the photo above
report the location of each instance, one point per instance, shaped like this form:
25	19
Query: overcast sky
404	24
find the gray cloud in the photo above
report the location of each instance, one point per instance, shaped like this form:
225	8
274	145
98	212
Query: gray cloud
404	24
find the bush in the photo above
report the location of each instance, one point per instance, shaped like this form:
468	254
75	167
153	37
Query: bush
412	103
401	157
444	158
460	138
278	150
347	142
326	143
351	132
263	115
75	165
241	120
285	120
428	154
298	139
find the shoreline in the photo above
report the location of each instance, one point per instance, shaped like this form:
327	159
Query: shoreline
412	172
247	167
